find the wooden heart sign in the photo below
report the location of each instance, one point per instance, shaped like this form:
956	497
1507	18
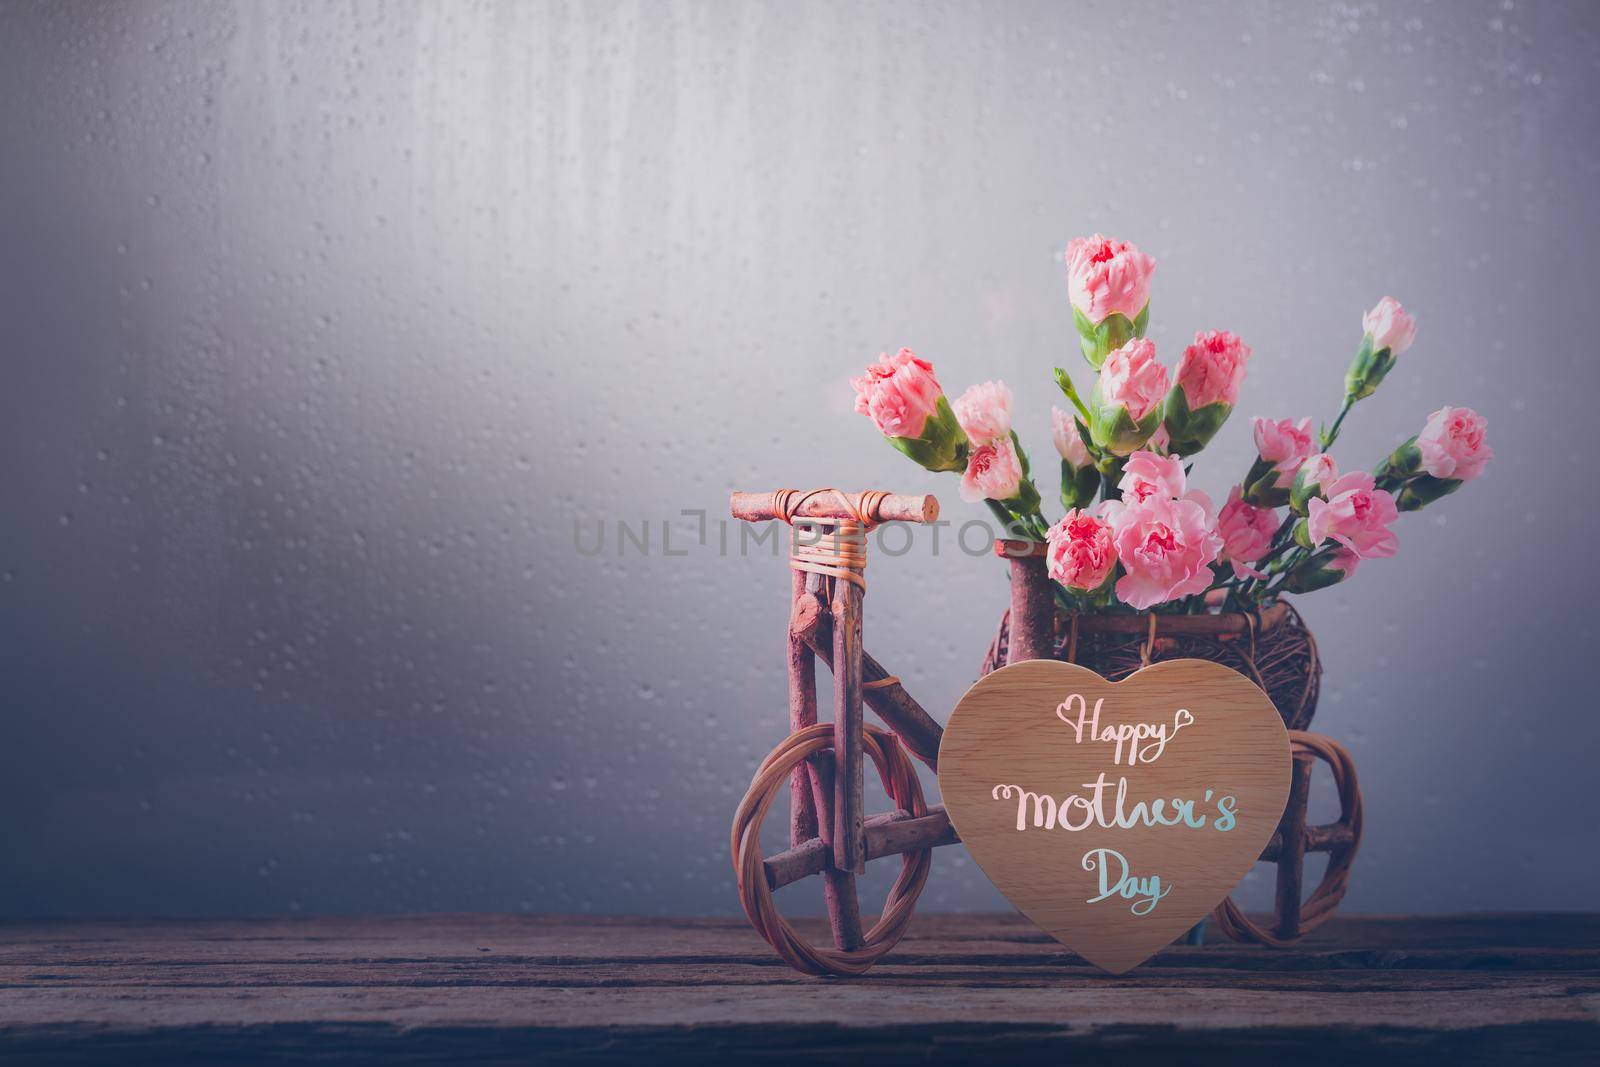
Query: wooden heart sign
1115	814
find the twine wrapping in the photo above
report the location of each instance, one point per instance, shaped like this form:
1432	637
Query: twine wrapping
841	552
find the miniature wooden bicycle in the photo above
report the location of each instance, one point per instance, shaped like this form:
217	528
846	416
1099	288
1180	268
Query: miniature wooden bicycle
823	763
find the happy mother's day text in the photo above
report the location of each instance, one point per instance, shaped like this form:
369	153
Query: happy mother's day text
1105	803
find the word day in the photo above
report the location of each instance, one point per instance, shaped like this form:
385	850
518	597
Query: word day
1145	893
1144	741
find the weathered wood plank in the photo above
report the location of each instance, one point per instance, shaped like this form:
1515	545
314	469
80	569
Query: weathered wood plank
499	988
603	936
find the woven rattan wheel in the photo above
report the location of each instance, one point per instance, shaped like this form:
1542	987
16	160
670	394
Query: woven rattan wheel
771	778
1319	906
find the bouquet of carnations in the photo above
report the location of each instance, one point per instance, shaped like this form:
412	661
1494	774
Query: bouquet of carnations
1135	535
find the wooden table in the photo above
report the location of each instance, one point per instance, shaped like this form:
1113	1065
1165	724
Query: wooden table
1504	988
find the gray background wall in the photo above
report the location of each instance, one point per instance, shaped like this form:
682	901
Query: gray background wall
323	325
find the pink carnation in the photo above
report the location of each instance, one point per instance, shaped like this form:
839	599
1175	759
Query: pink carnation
1246	533
899	392
1212	369
1452	444
1390	325
1148	474
1106	276
1283	443
1133	378
1319	470
1356	514
1082	554
993	472
1166	548
1069	443
984	412
1160	441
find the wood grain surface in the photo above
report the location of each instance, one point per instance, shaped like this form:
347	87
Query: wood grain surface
509	989
1032	786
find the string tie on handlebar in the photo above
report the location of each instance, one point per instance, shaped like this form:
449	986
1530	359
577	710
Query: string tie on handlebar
840	550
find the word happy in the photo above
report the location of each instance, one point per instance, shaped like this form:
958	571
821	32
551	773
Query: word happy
1126	733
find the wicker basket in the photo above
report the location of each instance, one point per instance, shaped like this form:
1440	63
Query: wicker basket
1274	649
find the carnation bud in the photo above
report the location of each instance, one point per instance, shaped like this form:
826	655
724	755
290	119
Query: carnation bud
1389	331
998	471
1314	475
1128	398
1282	445
942	445
1261	488
1205	389
1067	433
1321	571
1108	282
1424	490
1390	325
904	400
1191	430
1399	466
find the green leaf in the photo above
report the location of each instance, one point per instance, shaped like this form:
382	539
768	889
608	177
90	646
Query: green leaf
1022	456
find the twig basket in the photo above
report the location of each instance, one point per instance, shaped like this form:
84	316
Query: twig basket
1275	649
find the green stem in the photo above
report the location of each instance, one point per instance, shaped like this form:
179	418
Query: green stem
1249	588
1261	564
1005	517
1331	433
1276	588
1064	381
1030	527
1284	528
1292	561
1110	475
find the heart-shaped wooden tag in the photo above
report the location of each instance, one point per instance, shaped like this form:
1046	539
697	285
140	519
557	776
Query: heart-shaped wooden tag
1115	815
